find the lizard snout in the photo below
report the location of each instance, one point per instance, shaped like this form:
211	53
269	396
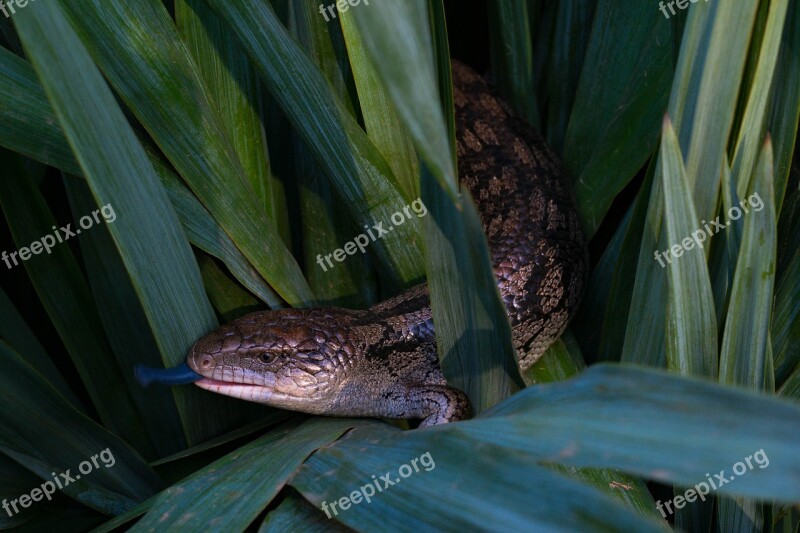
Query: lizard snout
200	362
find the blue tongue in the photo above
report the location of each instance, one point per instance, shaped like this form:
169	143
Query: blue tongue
180	375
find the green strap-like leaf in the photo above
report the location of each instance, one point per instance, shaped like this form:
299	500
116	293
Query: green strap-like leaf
359	172
33	412
30	127
350	283
235	92
16	333
785	105
146	232
66	297
705	89
235	489
413	476
642	421
512	56
297	514
473	335
398	39
744	345
785	326
754	121
562	71
702	108
691	318
472	332
562	361
228	299
137	47
619	103
130	339
380	119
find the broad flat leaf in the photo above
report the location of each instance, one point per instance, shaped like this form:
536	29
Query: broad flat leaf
146	232
29	125
444	68
272	417
704	91
609	284
746	354
297	514
691	330
725	253
126	517
562	361
791	387
15	480
499	486
646	297
692	323
642	421
473	335
204	232
324	43
235	489
351	283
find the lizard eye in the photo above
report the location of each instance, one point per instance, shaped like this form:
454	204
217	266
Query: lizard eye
265	357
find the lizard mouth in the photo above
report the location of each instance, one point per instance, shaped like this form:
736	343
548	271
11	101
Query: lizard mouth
242	391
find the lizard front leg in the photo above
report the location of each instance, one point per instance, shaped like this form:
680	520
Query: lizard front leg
434	404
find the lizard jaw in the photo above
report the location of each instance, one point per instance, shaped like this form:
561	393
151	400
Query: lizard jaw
243	391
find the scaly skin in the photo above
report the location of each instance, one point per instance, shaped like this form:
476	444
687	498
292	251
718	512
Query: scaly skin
382	361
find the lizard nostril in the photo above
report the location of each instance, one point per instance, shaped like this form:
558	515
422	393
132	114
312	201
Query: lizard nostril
205	362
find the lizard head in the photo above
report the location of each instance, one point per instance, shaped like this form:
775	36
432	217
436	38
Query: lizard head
286	358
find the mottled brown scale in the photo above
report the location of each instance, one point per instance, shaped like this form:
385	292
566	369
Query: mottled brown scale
382	361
